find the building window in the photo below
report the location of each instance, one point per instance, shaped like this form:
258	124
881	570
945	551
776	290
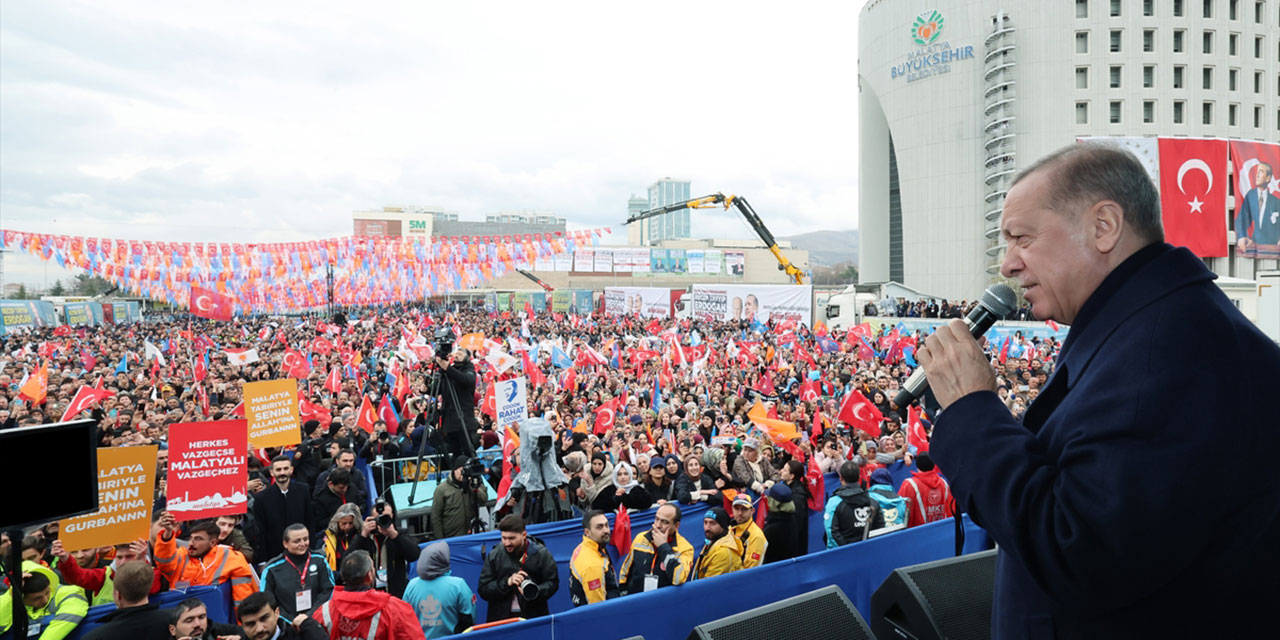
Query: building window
1206	113
1115	8
1257	82
1082	8
1148	40
1232	114
1148	8
1082	113
1208	8
1233	9
1115	111
1177	8
1082	42
1257	47
1208	42
1178	40
1149	111
1116	34
1257	117
1258	11
1177	76
1178	107
1149	76
1233	44
1207	76
1082	77
1233	77
1115	77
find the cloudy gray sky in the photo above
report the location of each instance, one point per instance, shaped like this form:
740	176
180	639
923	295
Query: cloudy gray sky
273	121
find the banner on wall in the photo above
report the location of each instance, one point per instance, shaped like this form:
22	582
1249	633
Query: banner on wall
759	302
584	260
564	262
26	314
640	261
642	302
1257	212
696	260
126	484
560	299
735	263
604	261
208	475
79	313
711	261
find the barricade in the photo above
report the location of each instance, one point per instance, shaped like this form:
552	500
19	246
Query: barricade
673	612
216	599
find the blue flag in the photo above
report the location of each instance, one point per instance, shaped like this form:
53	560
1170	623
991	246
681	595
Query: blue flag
657	395
559	358
123	367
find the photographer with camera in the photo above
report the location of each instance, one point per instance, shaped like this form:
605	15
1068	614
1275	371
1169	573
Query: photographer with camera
457	397
391	549
455	506
519	576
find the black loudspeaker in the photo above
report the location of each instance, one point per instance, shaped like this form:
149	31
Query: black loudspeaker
944	599
823	614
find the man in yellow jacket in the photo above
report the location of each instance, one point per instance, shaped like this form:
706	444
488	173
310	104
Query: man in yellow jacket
722	553
591	577
748	533
660	557
54	610
202	562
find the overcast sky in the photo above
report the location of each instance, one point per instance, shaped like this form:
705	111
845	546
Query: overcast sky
274	121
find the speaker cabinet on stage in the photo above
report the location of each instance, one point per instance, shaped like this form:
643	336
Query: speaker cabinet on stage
944	599
823	614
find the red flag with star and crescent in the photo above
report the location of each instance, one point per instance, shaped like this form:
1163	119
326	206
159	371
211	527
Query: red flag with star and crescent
858	412
605	416
210	304
916	435
817	486
1193	194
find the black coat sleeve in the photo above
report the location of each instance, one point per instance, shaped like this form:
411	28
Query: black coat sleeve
493	582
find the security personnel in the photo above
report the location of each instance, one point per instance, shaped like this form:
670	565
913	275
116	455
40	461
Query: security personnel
660	557
748	533
722	553
591	576
299	579
202	561
54	610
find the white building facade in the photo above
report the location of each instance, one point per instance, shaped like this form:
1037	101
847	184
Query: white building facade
956	96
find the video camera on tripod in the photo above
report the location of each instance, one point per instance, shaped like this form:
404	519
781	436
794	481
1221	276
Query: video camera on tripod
444	342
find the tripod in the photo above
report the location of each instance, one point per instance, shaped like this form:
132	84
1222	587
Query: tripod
435	424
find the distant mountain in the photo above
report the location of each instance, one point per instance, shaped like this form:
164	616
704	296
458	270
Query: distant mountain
827	248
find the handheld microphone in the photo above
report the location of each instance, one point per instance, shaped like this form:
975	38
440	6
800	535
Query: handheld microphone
997	302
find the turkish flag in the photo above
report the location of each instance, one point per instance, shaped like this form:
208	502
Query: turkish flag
85	398
817	486
606	415
621	535
810	391
206	303
295	364
1193	194
858	412
333	383
367	416
490	405
915	430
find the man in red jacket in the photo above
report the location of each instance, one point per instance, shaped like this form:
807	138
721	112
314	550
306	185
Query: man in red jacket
927	493
356	610
97	582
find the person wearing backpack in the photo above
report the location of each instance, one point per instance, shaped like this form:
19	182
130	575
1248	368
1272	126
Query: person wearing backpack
850	509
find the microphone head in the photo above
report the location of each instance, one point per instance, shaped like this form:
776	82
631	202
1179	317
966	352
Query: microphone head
999	299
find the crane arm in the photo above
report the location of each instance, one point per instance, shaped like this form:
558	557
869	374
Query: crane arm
536	279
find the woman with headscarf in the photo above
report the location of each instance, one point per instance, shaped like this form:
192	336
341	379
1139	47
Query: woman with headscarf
574	461
716	467
624	491
597	476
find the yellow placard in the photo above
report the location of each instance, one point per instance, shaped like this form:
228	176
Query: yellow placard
126	487
271	407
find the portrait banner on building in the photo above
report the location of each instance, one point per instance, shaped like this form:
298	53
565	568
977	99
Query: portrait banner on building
759	302
677	261
642	302
126	485
658	260
560	300
1257	211
735	263
208	476
271	409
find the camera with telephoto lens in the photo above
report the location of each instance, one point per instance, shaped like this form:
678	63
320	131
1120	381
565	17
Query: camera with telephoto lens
384	520
444	342
529	590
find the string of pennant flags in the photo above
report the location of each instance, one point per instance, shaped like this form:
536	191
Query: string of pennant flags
288	276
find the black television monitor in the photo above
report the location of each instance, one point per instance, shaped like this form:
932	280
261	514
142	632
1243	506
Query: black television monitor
31	455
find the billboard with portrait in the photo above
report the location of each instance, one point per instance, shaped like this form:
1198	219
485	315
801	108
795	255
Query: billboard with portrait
760	302
735	263
643	302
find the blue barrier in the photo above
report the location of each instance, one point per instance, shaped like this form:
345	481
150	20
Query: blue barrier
216	599
858	569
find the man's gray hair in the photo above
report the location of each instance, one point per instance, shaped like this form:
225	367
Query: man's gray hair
1080	175
355	568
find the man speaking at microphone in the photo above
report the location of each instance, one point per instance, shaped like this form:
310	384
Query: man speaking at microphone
1108	523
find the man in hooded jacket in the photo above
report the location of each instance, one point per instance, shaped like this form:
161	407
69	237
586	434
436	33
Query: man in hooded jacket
360	611
927	493
54	610
444	603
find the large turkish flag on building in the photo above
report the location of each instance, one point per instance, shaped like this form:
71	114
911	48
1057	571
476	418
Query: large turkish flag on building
206	303
1193	194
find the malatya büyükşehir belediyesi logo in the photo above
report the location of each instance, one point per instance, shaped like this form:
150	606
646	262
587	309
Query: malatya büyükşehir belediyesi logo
926	28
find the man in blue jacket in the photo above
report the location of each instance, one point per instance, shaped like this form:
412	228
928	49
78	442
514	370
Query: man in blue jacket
1104	528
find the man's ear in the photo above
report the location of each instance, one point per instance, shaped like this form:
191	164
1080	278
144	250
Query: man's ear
1106	219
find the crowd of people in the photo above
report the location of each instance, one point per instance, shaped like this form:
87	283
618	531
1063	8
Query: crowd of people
646	414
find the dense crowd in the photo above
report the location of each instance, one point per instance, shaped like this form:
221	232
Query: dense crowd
638	414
